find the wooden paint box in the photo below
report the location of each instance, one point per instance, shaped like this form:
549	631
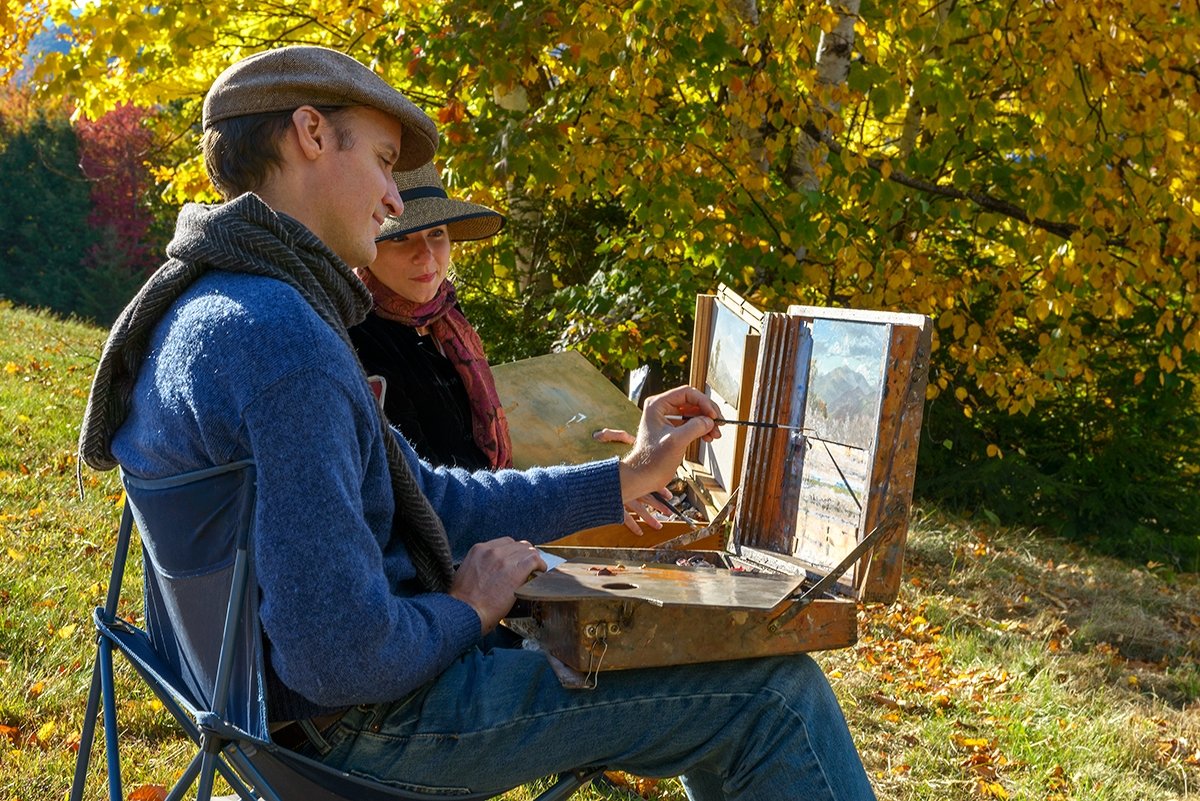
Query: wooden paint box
634	605
817	521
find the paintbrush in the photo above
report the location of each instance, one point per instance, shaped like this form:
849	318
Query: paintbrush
763	424
667	502
750	423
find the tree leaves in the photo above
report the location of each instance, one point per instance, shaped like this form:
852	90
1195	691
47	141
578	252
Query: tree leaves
1022	172
20	22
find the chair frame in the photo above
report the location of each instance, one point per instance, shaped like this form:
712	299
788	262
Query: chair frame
240	758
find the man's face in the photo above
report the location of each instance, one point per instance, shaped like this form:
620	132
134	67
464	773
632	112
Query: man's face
358	190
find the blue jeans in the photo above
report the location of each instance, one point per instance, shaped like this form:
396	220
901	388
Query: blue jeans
753	729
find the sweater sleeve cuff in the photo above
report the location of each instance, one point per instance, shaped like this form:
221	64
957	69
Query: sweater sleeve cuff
462	624
593	491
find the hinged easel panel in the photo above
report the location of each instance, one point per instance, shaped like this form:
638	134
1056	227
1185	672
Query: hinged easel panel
724	356
554	403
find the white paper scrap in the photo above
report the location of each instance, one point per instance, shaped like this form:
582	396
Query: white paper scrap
552	561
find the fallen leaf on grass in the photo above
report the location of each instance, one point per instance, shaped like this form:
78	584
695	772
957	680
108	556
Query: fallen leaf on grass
636	784
981	764
10	733
884	700
971	742
148	792
993	790
1177	748
44	733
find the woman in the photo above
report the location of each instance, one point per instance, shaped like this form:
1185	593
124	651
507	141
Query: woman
437	386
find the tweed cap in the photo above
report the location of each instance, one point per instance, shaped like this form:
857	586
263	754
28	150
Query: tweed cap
289	77
426	205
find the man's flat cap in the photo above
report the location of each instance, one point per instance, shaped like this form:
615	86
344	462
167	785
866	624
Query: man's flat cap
303	75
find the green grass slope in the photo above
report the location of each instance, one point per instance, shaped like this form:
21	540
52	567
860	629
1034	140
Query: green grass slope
1011	666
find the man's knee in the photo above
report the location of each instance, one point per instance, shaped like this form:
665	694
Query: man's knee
800	683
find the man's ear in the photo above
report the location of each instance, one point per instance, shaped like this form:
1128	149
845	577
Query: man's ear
313	132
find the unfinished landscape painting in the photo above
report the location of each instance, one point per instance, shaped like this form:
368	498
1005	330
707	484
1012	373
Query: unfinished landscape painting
841	418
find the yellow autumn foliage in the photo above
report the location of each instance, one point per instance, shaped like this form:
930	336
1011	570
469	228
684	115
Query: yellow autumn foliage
1024	173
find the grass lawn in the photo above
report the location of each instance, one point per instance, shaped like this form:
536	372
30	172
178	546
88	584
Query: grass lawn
1011	666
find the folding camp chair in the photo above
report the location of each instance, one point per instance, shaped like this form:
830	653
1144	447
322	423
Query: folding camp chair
206	669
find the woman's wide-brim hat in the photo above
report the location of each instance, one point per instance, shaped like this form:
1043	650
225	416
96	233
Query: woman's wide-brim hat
427	205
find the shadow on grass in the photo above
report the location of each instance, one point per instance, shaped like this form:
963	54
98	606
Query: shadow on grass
1142	619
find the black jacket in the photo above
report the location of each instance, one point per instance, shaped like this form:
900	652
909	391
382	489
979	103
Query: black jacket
425	396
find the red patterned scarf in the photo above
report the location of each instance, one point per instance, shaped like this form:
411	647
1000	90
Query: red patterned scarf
462	346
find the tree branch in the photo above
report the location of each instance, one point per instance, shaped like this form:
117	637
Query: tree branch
981	199
1193	72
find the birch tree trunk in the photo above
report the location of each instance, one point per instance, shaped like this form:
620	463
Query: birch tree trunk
524	211
833	65
524	224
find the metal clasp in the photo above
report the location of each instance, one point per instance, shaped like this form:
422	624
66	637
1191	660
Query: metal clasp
591	679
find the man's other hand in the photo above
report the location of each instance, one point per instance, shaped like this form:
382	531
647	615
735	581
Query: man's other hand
488	578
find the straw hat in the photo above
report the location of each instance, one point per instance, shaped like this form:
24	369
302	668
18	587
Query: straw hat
305	75
426	205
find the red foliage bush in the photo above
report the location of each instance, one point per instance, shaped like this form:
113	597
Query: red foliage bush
113	151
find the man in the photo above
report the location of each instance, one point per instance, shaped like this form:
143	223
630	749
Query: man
237	348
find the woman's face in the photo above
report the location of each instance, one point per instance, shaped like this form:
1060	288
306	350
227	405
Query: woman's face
414	265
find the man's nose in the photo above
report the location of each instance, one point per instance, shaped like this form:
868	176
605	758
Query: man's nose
392	201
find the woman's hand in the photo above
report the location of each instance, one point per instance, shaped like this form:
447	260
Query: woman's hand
613	435
643	509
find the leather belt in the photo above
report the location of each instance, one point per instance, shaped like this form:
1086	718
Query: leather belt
292	735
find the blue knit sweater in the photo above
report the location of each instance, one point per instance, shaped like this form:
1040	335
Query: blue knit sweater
241	367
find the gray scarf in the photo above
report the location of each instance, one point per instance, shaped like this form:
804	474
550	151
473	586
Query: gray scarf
246	236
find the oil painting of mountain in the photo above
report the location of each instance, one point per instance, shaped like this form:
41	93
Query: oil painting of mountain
841	418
